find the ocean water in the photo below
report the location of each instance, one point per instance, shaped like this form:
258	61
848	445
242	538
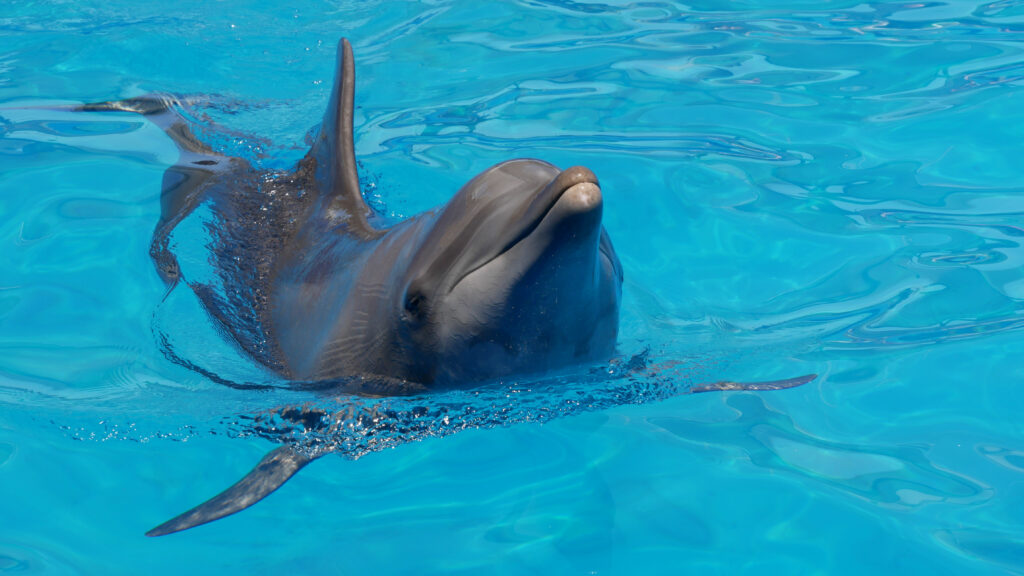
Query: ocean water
792	187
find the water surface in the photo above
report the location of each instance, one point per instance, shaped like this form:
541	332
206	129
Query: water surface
830	187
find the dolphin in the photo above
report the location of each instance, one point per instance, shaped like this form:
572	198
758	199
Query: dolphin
514	275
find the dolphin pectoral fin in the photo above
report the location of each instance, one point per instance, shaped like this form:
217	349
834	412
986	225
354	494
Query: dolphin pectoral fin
754	386
274	470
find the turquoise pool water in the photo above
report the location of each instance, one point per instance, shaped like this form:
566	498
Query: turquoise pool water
830	187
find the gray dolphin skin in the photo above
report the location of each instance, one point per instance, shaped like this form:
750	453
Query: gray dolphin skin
514	275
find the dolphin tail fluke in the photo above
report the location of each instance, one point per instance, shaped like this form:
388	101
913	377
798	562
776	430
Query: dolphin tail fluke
145	105
162	110
754	386
196	164
274	470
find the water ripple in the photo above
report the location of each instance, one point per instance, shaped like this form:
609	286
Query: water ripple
900	476
833	182
1002	549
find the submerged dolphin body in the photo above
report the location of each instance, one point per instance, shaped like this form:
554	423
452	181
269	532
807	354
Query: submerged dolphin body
514	275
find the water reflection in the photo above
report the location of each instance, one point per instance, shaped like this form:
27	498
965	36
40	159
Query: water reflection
901	476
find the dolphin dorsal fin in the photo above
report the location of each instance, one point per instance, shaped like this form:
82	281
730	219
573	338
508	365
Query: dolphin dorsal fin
333	151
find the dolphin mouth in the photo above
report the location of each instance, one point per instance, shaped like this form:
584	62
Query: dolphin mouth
577	179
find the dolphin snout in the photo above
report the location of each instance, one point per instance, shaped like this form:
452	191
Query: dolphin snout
574	188
575	217
574	175
582	197
577	200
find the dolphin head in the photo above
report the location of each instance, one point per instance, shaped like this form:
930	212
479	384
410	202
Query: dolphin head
514	275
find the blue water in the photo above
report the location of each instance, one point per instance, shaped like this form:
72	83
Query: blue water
829	187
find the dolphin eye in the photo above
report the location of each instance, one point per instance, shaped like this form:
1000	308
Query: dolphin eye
415	304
